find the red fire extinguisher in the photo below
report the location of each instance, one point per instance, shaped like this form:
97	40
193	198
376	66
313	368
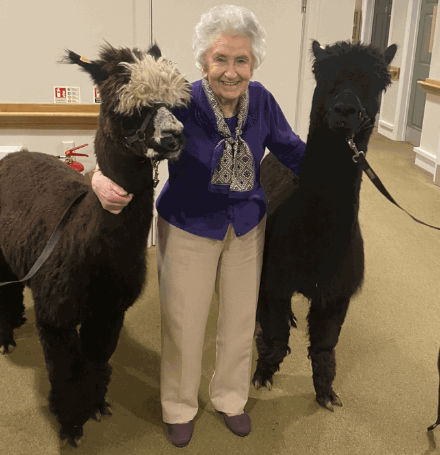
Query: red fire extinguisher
70	160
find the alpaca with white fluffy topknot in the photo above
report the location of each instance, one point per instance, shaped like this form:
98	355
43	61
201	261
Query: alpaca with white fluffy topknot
97	269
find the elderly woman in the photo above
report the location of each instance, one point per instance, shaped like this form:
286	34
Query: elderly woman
212	220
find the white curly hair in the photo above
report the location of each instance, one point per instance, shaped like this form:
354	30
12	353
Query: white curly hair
227	19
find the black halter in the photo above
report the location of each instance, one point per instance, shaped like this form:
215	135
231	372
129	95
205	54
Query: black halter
140	133
364	117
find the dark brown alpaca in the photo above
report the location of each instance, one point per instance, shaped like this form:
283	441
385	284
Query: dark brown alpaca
313	241
97	270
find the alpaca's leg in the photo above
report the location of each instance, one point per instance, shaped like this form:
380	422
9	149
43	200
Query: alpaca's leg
275	318
11	308
70	398
438	403
99	336
325	322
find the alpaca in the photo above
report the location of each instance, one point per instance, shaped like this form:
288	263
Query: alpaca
313	243
97	269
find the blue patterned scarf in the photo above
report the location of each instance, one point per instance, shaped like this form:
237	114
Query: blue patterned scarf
235	168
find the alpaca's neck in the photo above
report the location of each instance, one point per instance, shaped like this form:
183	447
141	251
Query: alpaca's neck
329	177
131	172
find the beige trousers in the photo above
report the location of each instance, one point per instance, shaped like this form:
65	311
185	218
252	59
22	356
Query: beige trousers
190	269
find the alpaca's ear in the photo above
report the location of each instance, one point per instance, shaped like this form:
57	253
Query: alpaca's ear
95	70
154	51
317	50
389	53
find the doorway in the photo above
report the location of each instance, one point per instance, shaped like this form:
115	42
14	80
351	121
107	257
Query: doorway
381	29
422	62
381	24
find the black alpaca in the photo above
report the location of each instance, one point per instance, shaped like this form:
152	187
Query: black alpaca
313	241
97	270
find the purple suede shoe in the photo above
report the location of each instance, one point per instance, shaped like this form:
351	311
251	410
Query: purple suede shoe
240	425
180	433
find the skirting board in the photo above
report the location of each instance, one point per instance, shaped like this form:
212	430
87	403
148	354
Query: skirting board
426	160
386	129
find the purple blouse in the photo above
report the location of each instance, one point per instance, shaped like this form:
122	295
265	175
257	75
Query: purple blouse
187	203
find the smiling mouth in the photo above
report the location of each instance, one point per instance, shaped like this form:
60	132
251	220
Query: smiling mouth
229	84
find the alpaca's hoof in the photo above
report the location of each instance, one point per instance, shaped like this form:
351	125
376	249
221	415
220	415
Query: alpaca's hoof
8	347
328	402
292	320
97	416
261	379
103	410
433	426
107	412
72	435
74	442
267	384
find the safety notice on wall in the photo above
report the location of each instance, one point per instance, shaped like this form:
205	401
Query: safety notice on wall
96	96
66	95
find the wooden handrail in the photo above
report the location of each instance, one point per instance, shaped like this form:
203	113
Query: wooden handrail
430	86
49	116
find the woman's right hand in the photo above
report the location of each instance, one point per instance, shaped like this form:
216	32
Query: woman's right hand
112	197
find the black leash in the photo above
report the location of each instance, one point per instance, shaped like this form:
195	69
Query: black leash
360	159
56	234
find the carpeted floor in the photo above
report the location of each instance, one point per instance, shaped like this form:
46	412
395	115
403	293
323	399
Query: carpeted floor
387	355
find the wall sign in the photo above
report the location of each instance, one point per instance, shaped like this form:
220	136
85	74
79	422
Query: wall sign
66	95
96	96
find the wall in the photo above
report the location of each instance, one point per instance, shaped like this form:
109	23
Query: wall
36	34
395	102
83	25
430	140
326	22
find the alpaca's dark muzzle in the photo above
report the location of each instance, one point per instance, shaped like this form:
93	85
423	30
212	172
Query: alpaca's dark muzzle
347	115
173	142
173	147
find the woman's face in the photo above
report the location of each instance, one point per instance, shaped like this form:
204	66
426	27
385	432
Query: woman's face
228	67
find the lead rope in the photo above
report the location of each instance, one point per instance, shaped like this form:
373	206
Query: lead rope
360	159
55	236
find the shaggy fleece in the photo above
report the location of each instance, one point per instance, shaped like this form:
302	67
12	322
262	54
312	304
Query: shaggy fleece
152	82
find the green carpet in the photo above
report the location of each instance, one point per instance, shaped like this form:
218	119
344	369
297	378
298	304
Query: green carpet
387	354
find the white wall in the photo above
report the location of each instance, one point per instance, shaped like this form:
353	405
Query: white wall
327	22
430	139
403	32
34	35
83	25
51	142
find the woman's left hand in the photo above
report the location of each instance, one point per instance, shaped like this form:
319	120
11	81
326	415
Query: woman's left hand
112	197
